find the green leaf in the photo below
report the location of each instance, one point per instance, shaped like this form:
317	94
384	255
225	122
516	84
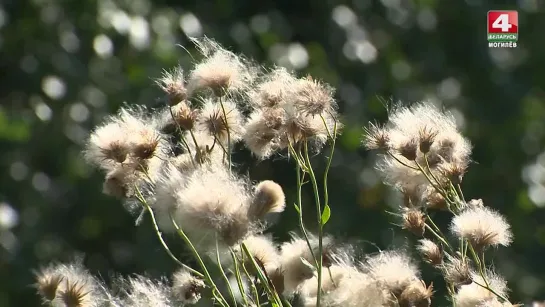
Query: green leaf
326	214
297	208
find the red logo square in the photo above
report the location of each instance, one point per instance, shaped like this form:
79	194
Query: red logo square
503	22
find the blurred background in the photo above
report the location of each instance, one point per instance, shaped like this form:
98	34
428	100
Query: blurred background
64	65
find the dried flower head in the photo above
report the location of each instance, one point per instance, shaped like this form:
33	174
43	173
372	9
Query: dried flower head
275	88
483	227
119	182
221	120
301	128
453	171
456	271
426	138
208	200
48	281
262	133
221	71
434	199
430	251
268	198
408	149
108	144
376	137
183	116
393	270
474	294
312	97
416	294
173	84
414	220
410	127
75	294
264	252
186	287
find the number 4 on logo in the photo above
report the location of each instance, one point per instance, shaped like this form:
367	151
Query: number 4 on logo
502	22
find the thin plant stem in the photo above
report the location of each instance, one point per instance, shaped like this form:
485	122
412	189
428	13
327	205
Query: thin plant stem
439	237
492	291
160	236
273	295
401	162
239	278
254	288
300	206
320	224
460	193
298	159
228	133
194	139
328	165
227	283
207	276
482	268
441	234
436	187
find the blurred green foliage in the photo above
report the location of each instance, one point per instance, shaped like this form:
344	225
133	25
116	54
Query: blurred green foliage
66	64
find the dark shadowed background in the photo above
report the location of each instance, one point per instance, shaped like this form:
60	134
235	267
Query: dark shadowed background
65	64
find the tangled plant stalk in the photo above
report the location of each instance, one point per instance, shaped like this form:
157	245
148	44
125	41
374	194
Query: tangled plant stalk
174	165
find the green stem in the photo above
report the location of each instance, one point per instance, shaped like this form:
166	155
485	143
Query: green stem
254	288
207	276
439	237
227	283
320	224
481	265
300	206
228	133
273	295
160	236
239	278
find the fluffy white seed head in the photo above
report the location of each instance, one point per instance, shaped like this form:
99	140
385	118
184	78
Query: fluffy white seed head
263	133
173	84
393	270
312	97
430	251
295	257
274	90
221	71
213	202
264	251
143	292
473	294
108	145
483	227
186	287
268	198
215	122
69	285
308	289
456	271
355	289
300	127
413	132
416	294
